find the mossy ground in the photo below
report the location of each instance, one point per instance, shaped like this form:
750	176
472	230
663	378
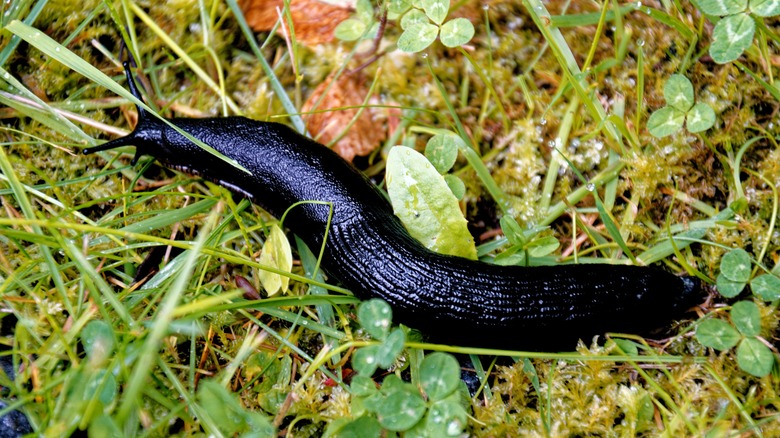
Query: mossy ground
48	246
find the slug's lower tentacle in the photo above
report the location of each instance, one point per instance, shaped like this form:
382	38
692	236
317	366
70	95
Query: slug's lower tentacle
367	250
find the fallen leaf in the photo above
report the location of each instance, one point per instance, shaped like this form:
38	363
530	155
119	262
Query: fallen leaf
314	21
344	96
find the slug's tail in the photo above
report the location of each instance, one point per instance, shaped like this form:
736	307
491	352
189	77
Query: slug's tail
147	130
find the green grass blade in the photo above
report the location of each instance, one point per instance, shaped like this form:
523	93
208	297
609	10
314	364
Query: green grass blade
60	53
276	85
16	6
162	320
29	213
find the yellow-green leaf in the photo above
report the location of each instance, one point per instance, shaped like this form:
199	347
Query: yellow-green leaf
425	204
277	254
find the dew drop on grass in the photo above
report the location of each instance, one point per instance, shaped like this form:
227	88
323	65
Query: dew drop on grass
591	187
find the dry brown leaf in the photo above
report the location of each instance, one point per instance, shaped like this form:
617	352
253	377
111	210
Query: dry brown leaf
314	21
364	135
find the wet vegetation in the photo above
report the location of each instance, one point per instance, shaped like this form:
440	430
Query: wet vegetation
127	291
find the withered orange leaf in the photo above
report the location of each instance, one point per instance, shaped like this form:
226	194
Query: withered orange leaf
344	96
314	21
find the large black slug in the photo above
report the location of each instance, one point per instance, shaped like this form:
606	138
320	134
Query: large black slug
450	299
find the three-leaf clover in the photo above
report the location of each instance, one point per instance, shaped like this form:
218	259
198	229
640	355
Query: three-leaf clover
735	272
433	406
753	355
680	107
376	317
734	32
423	21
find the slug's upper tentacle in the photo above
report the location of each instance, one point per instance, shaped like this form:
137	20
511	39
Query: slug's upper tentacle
368	250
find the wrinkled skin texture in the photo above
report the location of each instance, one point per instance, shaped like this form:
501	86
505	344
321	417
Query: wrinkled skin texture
367	250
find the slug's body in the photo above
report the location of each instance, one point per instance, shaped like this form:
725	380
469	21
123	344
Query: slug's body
367	249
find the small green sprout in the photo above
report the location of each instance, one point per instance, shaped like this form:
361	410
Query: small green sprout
524	244
734	32
680	107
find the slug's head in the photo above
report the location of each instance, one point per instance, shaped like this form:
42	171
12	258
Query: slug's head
690	294
147	133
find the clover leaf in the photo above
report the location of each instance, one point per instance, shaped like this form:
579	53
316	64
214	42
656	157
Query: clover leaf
355	27
425	21
734	32
680	108
753	356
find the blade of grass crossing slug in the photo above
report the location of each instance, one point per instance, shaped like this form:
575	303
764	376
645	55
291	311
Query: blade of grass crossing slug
56	51
162	319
